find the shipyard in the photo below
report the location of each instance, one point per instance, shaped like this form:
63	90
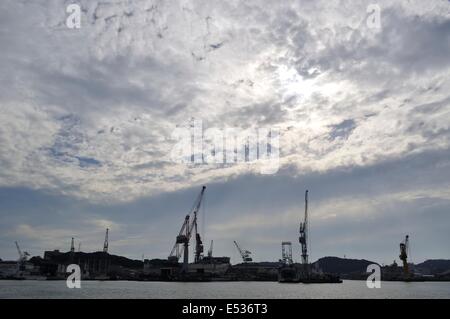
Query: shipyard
101	265
212	159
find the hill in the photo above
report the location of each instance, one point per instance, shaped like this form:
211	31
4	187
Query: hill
434	266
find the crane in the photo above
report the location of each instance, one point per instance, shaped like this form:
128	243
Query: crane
286	253
303	239
404	251
245	254
187	229
210	250
106	243
23	256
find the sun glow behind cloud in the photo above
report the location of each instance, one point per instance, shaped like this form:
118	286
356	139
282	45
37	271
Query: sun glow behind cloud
293	84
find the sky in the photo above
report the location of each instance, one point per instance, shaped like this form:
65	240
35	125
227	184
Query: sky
359	93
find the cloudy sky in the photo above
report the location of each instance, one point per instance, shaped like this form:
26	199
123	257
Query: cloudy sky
363	110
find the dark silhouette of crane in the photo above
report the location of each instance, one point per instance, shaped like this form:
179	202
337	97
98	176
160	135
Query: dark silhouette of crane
189	227
303	239
404	251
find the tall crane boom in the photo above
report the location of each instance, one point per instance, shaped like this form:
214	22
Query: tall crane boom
303	239
187	229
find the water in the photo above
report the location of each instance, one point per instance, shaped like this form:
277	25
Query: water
233	290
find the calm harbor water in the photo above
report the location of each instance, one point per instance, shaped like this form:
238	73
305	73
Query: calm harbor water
234	290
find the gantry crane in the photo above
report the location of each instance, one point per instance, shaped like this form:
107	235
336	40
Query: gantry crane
187	229
245	254
404	251
303	239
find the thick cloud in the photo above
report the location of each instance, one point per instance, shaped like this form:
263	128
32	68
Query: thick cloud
88	114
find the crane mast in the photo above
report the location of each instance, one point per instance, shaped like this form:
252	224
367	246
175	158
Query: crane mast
303	239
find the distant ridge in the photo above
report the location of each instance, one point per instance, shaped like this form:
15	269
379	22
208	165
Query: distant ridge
329	264
434	266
